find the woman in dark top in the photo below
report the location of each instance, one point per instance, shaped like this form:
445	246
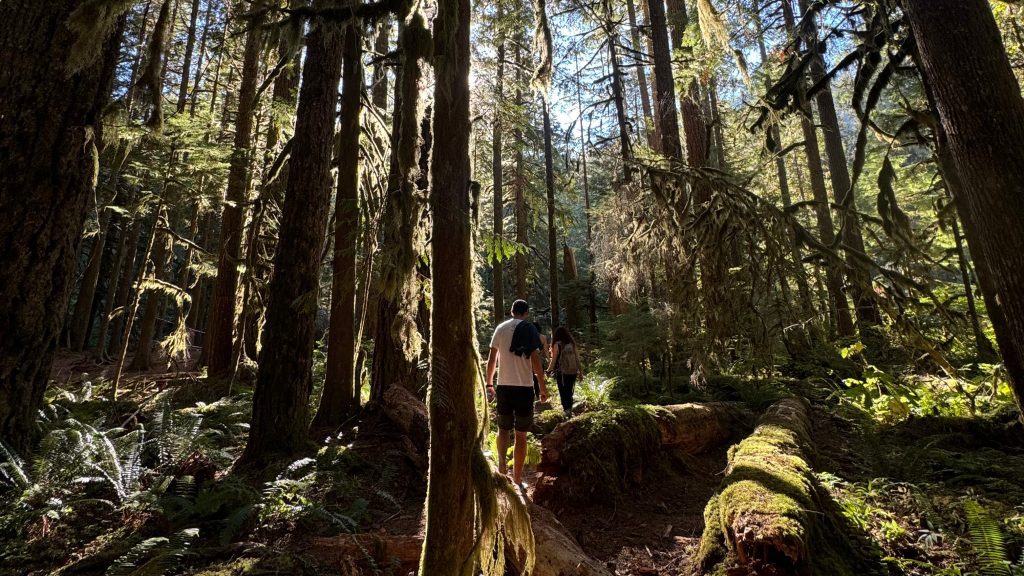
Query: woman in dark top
565	364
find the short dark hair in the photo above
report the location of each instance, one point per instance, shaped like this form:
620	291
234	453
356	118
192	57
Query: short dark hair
520	307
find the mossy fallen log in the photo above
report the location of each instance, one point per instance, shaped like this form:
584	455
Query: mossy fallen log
599	453
771	516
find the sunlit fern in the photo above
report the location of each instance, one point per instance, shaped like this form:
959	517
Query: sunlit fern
987	540
155	556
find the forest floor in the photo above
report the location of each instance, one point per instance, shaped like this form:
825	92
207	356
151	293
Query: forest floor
914	487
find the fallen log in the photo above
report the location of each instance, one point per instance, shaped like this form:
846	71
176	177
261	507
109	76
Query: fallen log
599	453
770	513
556	551
556	554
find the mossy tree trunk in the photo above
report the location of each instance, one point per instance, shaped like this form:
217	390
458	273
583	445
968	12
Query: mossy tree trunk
449	540
397	341
50	131
339	401
981	110
280	412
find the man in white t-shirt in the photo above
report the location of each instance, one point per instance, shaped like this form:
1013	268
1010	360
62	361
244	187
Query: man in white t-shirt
515	353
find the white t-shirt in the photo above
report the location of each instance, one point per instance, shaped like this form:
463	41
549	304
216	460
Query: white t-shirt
512	370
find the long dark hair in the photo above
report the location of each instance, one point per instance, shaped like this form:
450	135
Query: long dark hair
562	337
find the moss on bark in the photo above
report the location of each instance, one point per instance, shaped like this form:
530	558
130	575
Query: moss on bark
771	516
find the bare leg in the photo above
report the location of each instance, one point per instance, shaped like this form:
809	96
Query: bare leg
502	454
519	457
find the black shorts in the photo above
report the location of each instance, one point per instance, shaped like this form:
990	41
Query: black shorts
515	408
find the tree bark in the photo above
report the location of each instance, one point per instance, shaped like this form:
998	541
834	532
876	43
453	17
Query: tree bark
641	75
49	137
280	413
186	63
219	338
549	181
498	175
664	84
612	35
339	400
397	343
519	184
154	304
450	506
981	111
82	318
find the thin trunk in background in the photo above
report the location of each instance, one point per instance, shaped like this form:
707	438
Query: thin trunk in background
497	171
839	307
186	65
219	338
549	181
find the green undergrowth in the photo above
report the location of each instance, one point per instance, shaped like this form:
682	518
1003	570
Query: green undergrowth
109	493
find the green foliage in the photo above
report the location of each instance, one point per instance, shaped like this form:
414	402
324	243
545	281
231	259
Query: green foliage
986	539
155	556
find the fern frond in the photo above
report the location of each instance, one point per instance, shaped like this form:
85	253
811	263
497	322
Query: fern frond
987	540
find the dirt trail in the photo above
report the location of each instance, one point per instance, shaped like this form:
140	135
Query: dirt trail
653	528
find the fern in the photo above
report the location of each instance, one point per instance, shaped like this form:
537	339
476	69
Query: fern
155	556
987	540
13	471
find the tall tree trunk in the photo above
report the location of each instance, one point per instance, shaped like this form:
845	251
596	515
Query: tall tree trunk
49	132
280	412
124	288
641	75
339	401
450	507
202	55
498	175
775	147
612	35
842	188
186	64
839	308
721	161
667	120
981	111
381	45
549	181
219	329
397	341
519	184
591	285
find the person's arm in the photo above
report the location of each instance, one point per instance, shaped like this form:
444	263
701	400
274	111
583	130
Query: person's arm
552	356
539	371
492	362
